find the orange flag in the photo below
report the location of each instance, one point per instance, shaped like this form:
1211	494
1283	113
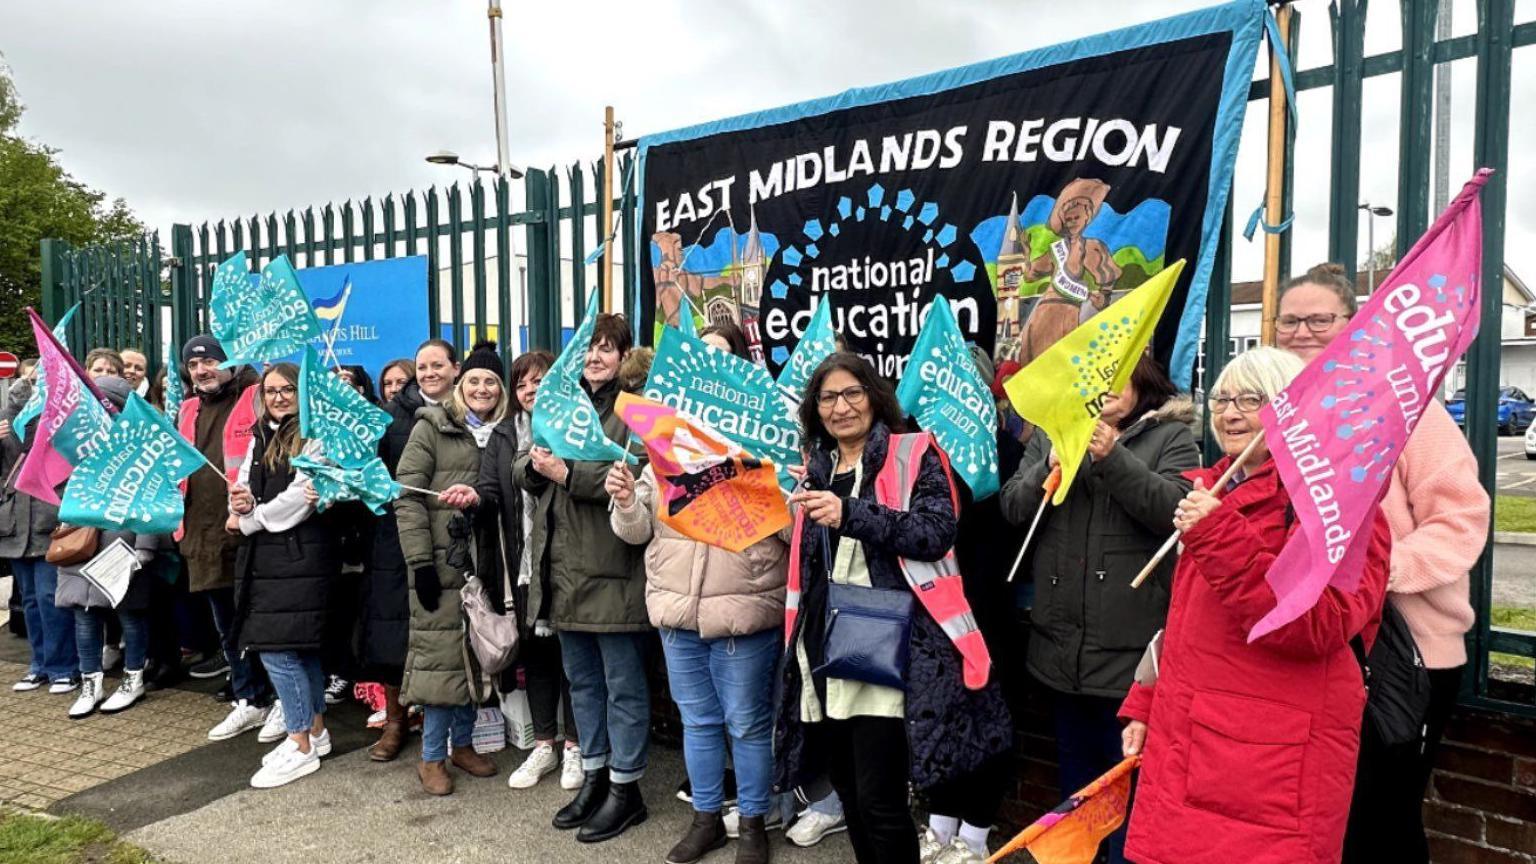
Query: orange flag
1071	833
710	489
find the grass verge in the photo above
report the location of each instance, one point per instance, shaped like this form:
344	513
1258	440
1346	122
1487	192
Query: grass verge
1514	618
30	839
1513	513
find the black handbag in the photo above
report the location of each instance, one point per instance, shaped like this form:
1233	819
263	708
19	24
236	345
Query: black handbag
1396	680
868	631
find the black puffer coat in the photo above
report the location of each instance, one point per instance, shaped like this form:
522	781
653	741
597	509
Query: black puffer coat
386	607
500	514
283	578
951	730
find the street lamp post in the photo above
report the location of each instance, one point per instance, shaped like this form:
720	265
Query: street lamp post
1370	240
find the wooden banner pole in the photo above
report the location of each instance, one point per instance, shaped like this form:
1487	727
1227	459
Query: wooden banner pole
1217	490
1274	190
606	278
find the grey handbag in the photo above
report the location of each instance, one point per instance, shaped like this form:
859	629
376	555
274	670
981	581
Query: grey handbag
492	636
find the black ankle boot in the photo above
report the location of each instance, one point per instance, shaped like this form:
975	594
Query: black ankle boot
705	835
622	808
591	795
752	844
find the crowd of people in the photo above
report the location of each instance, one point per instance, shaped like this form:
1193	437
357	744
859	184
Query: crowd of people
862	664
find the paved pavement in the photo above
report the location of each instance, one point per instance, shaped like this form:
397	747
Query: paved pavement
1517	474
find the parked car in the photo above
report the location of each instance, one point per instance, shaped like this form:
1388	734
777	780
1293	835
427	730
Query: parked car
1530	443
1516	410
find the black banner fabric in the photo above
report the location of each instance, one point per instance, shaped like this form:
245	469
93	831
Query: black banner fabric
1030	198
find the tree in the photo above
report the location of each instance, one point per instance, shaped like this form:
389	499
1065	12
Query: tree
39	199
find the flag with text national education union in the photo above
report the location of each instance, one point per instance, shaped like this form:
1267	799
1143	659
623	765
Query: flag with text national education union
1071	833
369	483
74	421
710	488
943	390
332	411
34	404
132	482
564	418
271	322
1337	431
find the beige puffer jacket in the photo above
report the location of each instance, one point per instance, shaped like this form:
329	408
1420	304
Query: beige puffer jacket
694	586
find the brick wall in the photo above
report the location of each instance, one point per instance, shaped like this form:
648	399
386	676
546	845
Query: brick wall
1482	802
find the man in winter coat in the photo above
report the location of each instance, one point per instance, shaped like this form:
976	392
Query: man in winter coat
208	549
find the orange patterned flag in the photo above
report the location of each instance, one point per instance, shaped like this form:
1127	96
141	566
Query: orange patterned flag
1071	833
710	489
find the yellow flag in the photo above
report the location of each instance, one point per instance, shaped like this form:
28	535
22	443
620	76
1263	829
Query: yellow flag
1063	390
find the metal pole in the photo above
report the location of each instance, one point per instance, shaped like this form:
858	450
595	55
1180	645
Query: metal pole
1442	114
1370	252
499	87
1274	193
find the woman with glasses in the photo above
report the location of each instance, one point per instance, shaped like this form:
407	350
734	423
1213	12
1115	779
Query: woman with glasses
1248	748
1438	513
874	512
283	575
1089	627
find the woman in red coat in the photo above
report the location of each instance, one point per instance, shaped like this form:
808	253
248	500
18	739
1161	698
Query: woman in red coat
1248	750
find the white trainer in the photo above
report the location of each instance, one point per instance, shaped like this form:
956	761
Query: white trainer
90	697
320	744
129	691
958	852
273	729
540	762
813	827
571	775
242	717
732	820
62	686
288	764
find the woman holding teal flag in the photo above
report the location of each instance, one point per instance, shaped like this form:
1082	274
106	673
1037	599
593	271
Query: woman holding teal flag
436	533
589	586
283	573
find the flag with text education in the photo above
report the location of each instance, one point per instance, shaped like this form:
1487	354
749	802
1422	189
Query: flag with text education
729	394
34	403
132	482
710	489
1071	833
75	419
174	390
942	389
1064	389
1337	431
330	410
564	418
369	483
271	322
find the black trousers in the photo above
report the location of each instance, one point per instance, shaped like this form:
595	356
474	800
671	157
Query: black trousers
1386	817
343	616
548	691
866	757
976	797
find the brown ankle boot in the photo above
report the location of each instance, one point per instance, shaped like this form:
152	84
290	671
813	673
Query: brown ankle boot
435	778
467	760
392	740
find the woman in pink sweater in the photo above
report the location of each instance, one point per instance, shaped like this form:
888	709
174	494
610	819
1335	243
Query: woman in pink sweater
1438	513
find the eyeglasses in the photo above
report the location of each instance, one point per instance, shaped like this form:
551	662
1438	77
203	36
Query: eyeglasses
1316	323
854	396
285	390
1246	403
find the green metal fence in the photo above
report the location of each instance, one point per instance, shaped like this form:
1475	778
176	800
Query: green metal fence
542	285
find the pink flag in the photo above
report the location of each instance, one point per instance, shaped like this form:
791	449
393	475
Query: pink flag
1337	431
67	386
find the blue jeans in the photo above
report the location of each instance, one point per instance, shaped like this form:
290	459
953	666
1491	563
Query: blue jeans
300	683
244	679
50	630
1088	744
725	687
611	699
445	724
89	625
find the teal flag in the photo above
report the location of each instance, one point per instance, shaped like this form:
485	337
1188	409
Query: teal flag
34	404
733	396
818	343
277	323
943	391
131	482
369	483
331	411
232	301
173	388
564	418
84	429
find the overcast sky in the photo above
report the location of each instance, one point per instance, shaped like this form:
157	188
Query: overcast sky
195	110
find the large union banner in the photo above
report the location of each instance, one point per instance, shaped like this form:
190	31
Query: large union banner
1031	191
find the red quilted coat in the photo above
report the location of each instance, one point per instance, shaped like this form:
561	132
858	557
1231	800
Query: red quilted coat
1250	751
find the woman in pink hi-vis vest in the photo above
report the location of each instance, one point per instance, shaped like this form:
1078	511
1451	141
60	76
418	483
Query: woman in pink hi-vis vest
877	510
